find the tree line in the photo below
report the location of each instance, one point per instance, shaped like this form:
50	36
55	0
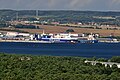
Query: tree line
28	67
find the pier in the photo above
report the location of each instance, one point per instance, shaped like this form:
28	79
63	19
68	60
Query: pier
103	63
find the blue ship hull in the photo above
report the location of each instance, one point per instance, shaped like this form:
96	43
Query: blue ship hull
59	40
69	40
88	41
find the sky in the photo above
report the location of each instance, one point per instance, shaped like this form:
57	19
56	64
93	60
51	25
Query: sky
91	5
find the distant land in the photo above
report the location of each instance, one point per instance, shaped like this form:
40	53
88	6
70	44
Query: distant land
102	22
63	15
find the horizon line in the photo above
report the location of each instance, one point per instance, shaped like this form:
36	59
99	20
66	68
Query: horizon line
61	10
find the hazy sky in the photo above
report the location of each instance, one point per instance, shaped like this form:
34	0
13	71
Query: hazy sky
99	5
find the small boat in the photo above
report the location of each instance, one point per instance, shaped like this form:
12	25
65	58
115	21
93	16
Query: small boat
108	40
88	39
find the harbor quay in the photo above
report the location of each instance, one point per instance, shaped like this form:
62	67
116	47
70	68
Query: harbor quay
53	38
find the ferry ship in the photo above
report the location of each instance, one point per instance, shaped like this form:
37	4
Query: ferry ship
59	38
47	38
67	38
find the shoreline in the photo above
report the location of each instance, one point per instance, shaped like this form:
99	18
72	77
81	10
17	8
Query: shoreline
24	41
50	42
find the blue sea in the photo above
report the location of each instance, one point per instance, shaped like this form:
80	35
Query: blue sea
100	50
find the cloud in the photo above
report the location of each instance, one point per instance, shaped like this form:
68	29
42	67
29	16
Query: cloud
68	4
61	4
114	5
80	3
115	1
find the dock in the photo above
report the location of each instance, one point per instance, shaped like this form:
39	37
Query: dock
103	63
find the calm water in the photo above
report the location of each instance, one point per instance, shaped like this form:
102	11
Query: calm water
105	50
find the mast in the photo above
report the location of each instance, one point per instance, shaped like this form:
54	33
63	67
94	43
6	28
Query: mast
36	13
16	16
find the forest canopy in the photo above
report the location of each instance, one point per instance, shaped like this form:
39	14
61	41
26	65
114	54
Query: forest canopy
27	67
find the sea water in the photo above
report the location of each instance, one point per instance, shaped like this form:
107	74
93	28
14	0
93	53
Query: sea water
100	50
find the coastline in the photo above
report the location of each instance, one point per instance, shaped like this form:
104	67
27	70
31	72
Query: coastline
24	41
36	41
